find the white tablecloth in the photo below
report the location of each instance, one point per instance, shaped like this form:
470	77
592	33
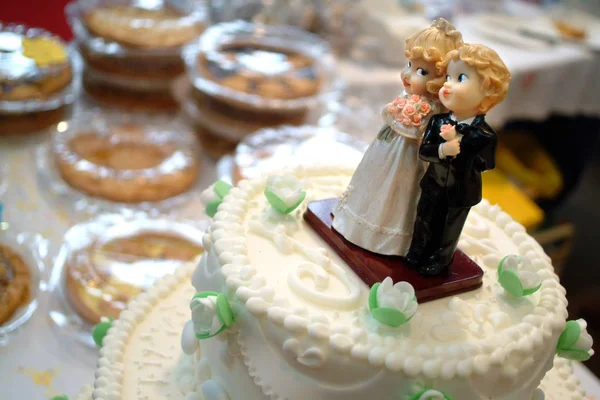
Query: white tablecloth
563	78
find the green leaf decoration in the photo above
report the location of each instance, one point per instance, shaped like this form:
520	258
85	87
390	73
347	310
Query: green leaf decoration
212	207
389	316
569	336
61	397
420	393
100	331
222	188
203	295
574	355
510	281
373	296
224	310
567	340
279	205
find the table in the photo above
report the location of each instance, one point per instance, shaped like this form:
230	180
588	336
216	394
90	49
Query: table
39	362
563	78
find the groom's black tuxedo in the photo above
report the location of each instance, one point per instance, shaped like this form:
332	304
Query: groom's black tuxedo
450	187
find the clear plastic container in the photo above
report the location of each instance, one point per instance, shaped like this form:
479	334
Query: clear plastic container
52	83
123	28
113	161
288	146
115	90
29	251
261	67
106	261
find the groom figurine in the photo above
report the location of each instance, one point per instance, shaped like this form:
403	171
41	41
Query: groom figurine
459	146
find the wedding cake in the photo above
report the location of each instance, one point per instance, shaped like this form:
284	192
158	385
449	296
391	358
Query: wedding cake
275	314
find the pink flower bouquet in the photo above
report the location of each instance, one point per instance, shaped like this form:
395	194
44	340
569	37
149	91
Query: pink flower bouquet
409	111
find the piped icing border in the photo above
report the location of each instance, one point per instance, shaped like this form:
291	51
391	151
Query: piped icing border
108	384
547	319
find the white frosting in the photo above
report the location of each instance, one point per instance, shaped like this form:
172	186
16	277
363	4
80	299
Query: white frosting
307	309
285	345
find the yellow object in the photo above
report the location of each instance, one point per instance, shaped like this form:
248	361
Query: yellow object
520	157
45	51
498	189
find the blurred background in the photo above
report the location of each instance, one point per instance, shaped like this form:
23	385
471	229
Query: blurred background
99	72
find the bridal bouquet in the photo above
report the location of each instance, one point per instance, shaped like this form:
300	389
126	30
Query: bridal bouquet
409	111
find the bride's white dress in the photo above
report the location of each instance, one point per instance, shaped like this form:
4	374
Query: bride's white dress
378	209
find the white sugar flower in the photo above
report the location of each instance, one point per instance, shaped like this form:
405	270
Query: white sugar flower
213	196
432	395
211	314
285	193
585	340
209	195
518	276
575	343
204	315
392	305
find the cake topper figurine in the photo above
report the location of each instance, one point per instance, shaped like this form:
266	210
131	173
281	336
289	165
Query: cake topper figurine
377	211
459	146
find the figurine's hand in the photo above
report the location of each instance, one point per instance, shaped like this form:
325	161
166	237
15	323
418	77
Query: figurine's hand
448	132
451	148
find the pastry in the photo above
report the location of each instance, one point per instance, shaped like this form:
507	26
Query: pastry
15	282
291	320
215	145
220	127
266	71
142	27
129	93
569	31
102	277
140	66
19	123
36	79
127	163
132	49
33	67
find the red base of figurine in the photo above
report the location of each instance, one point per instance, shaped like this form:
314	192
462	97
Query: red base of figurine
463	274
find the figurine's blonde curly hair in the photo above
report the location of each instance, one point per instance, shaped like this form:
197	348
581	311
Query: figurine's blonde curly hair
432	44
494	74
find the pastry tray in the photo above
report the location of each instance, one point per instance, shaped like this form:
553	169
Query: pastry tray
285	37
193	13
90	236
72	200
33	249
64	97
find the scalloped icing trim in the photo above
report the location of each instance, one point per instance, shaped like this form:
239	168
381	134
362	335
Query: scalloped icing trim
533	332
109	374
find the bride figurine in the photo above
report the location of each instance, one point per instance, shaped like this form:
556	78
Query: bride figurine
378	209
